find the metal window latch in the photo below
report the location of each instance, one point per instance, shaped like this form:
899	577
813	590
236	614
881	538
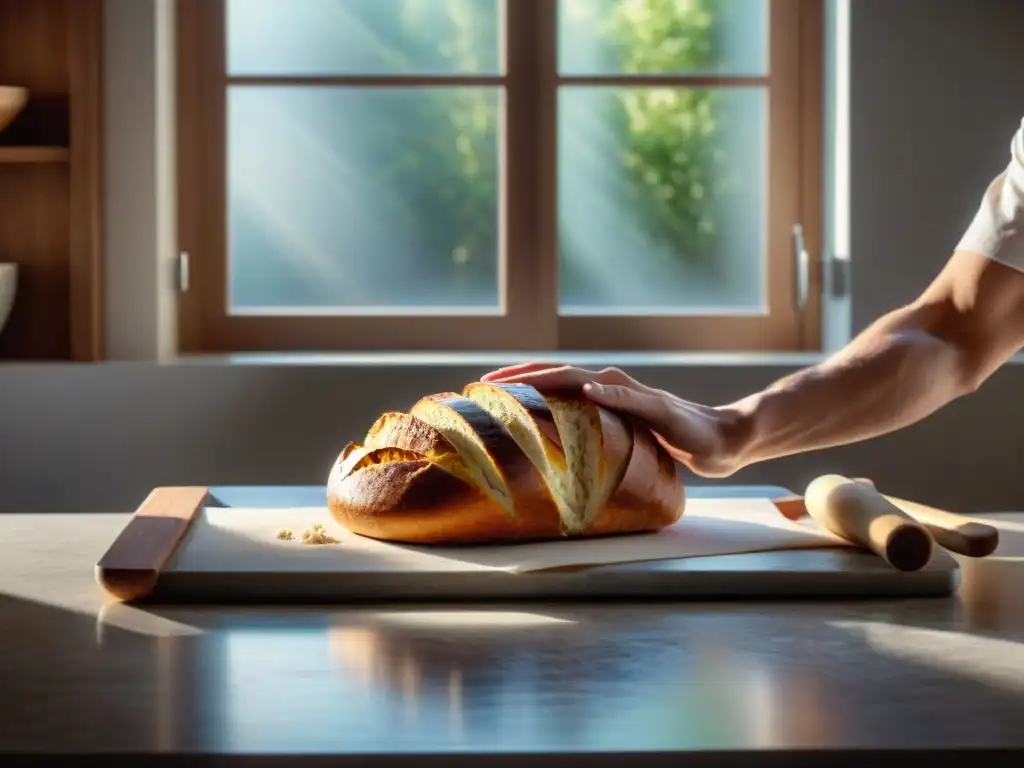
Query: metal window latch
803	266
181	272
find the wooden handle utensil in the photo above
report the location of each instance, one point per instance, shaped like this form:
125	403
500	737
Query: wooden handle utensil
858	513
957	533
129	569
954	532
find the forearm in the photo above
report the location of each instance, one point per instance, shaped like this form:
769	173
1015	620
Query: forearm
895	373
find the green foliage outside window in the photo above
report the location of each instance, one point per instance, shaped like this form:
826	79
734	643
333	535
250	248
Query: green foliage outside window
445	162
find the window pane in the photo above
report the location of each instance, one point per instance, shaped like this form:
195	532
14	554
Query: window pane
662	199
364	37
356	198
663	37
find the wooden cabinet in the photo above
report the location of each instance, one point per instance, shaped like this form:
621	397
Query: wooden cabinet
50	179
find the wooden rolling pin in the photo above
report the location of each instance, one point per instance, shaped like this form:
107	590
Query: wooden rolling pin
956	533
858	513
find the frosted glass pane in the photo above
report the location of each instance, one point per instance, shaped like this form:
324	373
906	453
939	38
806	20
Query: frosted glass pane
663	37
383	37
662	199
355	198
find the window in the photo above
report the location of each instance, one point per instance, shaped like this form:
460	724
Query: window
479	174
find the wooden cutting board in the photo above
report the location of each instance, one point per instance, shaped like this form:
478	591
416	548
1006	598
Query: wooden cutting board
722	547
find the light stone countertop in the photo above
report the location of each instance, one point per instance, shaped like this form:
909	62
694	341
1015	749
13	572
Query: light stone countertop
80	676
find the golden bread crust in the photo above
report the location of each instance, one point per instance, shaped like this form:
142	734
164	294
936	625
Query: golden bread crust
530	402
403	430
416	502
530	495
651	495
409	483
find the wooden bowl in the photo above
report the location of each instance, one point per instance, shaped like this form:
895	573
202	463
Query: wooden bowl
12	101
8	287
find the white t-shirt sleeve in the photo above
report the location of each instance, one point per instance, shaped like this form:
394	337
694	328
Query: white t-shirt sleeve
997	230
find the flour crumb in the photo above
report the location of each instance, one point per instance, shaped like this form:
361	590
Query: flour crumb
318	535
285	535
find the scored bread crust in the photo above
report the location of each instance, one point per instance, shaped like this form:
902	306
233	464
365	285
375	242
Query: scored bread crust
403	430
617	446
651	494
528	401
409	483
579	421
526	416
530	502
416	501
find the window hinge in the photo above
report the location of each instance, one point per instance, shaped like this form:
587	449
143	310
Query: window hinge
181	272
837	276
835	271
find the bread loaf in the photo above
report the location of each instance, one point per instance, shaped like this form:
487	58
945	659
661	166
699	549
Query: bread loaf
503	463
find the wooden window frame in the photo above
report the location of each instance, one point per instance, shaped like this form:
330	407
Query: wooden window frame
528	223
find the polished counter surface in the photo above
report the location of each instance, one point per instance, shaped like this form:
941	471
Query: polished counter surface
623	682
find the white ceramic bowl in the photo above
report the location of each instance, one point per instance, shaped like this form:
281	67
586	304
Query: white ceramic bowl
12	101
8	287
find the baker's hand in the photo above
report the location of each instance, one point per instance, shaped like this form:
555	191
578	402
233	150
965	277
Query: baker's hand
703	438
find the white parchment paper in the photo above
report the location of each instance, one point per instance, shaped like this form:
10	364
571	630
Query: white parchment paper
236	539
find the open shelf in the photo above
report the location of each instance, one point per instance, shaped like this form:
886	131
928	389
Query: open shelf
51	180
34	154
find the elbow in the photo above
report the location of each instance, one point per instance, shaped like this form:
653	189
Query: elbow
970	372
965	365
964	352
967	384
950	369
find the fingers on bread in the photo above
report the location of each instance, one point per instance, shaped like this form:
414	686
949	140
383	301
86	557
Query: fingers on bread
501	463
